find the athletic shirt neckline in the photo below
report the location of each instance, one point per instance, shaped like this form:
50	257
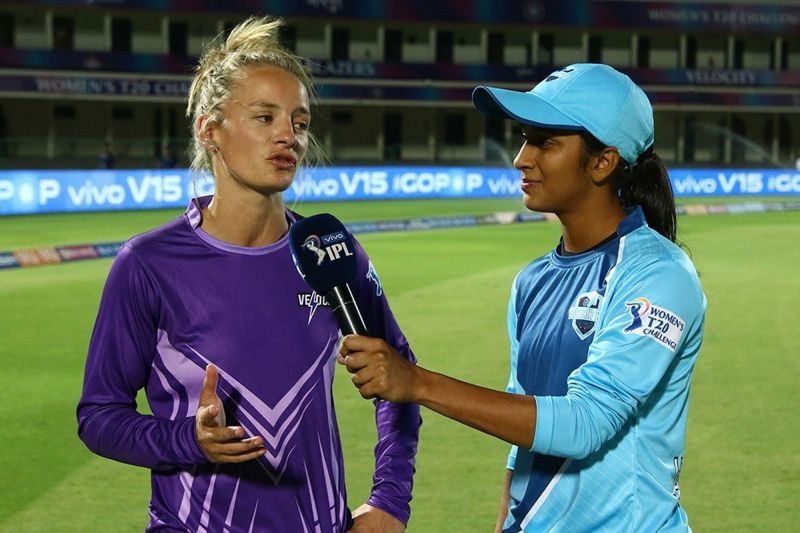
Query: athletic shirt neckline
194	217
633	221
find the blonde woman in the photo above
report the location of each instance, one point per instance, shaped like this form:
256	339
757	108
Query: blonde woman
234	351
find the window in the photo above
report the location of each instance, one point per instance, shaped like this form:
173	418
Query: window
288	38
738	53
63	112
643	53
393	46
691	52
6	30
178	41
595	52
341	117
455	126
546	49
121	32
444	47
63	33
497	43
392	136
340	44
122	113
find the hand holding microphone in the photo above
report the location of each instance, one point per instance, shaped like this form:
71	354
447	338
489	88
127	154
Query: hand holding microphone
378	370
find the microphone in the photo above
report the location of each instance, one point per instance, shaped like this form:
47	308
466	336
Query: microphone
324	254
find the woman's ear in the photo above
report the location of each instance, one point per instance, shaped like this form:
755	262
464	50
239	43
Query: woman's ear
603	165
205	132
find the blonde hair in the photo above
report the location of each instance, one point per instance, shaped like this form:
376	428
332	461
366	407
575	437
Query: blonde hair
252	42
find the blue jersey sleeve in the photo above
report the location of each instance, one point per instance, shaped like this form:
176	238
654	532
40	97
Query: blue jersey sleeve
652	317
513	386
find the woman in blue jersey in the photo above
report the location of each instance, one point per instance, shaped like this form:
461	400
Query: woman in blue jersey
234	351
604	330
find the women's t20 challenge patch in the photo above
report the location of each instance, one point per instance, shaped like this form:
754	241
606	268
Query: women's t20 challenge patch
658	323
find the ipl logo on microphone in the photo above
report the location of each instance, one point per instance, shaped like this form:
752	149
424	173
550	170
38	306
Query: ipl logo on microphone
313	245
333	246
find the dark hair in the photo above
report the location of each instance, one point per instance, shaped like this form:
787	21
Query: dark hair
645	183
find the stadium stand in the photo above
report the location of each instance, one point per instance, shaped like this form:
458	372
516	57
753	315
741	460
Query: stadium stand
83	83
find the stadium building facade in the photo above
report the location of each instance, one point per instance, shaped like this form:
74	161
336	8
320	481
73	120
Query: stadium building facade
395	78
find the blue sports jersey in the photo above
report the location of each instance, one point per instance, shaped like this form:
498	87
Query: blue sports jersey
606	341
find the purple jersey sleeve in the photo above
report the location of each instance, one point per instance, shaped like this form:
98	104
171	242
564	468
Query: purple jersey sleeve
397	424
117	366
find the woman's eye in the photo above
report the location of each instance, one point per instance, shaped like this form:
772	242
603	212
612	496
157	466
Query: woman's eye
302	126
264	118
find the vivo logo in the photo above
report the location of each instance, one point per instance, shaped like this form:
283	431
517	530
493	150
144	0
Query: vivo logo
333	237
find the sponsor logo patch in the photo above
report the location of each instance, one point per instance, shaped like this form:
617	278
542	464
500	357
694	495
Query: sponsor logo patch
585	312
658	323
312	300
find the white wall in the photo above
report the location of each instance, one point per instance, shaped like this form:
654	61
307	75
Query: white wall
359	139
617	49
568	49
470	150
417	123
201	30
757	52
30	30
663	51
364	44
90	32
311	41
666	134
516	49
711	51
148	35
417	46
467	47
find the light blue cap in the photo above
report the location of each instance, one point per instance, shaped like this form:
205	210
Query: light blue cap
584	96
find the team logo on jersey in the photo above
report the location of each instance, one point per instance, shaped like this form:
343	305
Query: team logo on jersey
585	312
658	323
312	300
331	246
372	276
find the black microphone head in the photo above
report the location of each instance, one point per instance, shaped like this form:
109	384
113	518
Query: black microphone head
323	252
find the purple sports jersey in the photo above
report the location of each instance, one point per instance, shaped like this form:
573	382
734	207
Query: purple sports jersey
177	299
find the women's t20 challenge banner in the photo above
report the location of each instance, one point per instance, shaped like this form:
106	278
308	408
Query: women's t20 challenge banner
53	191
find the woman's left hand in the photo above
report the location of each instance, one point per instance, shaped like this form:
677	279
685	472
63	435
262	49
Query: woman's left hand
369	519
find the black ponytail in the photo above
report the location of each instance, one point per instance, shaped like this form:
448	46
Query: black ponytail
644	183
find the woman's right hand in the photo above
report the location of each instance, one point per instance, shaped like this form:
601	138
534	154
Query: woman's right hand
221	443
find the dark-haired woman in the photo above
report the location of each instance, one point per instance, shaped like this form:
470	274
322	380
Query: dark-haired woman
604	330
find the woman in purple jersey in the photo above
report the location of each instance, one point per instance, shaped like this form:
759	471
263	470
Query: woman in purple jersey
208	315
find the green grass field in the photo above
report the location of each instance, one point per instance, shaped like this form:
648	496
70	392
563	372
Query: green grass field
741	470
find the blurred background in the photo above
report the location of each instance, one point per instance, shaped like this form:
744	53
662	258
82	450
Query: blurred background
81	79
